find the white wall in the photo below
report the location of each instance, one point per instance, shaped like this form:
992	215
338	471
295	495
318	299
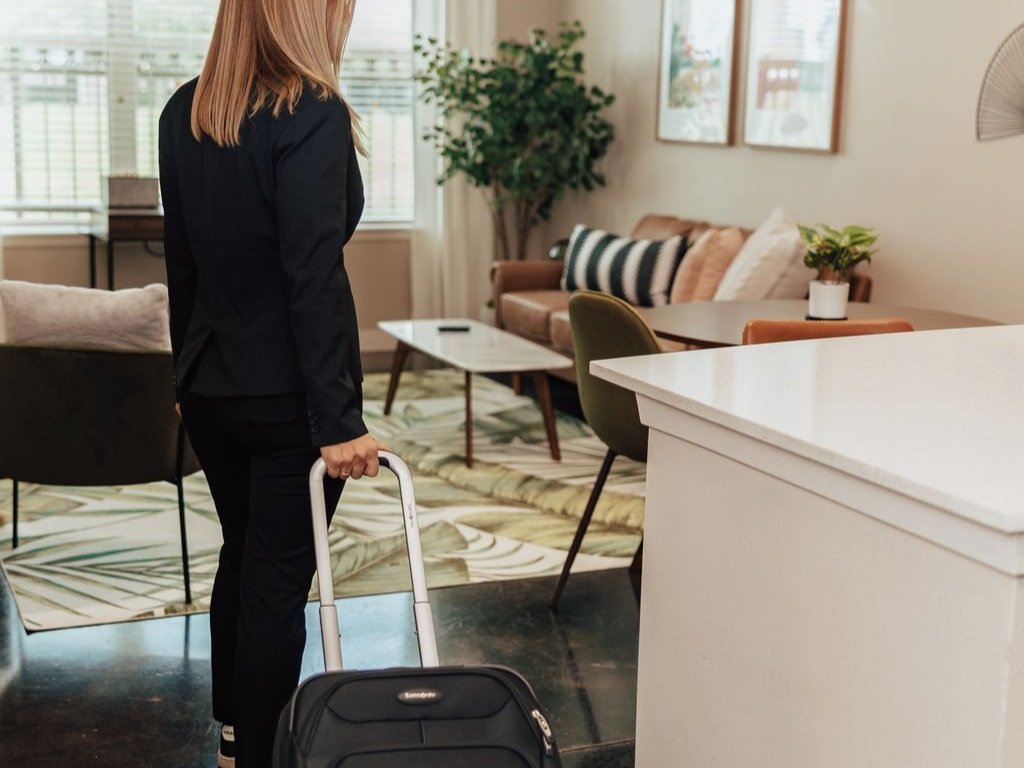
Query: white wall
517	17
950	210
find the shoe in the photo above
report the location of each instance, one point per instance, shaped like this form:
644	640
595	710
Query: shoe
226	753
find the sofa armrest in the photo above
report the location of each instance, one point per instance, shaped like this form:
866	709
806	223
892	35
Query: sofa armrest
512	276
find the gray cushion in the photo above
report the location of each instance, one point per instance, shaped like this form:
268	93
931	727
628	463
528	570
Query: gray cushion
130	320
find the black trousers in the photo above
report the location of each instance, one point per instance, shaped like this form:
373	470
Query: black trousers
257	453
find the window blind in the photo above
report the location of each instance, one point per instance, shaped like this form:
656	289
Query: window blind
83	82
377	81
53	94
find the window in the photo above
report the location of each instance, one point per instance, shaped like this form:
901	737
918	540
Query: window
83	82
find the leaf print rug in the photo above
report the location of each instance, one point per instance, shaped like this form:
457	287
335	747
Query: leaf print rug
102	555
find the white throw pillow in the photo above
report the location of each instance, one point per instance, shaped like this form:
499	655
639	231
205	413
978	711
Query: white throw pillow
770	264
130	320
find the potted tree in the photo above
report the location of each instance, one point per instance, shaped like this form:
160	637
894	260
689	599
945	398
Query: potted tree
523	126
834	253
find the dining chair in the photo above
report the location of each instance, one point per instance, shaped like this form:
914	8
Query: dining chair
92	418
604	327
761	331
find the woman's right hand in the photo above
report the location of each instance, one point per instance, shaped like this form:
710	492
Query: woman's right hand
353	459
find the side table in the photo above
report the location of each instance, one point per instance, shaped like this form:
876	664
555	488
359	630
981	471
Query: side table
121	226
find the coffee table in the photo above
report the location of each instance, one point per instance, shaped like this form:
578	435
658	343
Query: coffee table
709	324
479	348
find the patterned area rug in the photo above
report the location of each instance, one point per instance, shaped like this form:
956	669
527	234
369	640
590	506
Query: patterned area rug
102	555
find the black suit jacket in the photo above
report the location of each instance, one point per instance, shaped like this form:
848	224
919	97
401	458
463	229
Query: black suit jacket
260	300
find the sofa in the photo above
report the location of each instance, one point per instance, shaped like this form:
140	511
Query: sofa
530	302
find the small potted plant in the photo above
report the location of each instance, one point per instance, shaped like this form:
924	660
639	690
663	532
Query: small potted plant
834	253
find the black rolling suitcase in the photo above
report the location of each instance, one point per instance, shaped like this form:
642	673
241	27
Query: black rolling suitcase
429	717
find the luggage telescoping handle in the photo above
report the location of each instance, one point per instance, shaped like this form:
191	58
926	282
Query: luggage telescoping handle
328	611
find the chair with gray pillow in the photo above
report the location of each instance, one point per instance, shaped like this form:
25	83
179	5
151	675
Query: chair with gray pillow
92	418
605	327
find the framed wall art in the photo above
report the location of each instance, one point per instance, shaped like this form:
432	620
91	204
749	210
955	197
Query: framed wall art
697	71
794	74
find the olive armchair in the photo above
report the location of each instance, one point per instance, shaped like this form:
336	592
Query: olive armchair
91	418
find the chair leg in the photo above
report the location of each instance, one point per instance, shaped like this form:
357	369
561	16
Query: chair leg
581	529
637	565
184	539
14	509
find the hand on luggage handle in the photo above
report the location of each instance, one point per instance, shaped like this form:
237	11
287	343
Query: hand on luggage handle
328	611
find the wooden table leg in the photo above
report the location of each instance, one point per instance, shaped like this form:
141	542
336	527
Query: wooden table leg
469	419
92	260
397	364
540	383
110	263
517	383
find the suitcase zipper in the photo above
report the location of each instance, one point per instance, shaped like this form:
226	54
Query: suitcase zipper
547	736
545	730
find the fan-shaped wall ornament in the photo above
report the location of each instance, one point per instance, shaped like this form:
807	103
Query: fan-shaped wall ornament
1001	104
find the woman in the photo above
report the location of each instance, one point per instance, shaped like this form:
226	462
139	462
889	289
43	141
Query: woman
261	190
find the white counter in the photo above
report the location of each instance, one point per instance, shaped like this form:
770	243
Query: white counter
834	540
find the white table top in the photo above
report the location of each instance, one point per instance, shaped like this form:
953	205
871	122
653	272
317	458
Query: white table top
937	416
481	349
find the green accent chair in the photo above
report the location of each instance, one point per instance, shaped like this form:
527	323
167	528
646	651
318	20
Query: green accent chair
91	418
605	327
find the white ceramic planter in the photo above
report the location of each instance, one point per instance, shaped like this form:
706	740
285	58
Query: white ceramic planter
828	300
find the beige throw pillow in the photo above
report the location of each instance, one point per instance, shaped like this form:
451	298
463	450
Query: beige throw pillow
706	262
130	320
770	264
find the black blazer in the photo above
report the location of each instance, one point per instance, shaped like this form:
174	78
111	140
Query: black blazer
253	236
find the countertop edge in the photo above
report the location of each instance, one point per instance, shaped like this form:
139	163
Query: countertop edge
953	504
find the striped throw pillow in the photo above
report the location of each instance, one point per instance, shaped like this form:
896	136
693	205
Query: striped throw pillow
639	271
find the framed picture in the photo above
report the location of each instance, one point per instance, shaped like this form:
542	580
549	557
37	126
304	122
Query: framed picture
794	74
698	63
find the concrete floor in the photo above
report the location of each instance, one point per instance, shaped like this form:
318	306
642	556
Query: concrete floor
138	694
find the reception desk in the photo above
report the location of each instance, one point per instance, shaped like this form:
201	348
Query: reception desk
834	545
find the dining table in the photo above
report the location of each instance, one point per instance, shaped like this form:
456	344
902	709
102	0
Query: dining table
711	324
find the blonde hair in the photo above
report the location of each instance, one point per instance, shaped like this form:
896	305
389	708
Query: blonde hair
262	54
